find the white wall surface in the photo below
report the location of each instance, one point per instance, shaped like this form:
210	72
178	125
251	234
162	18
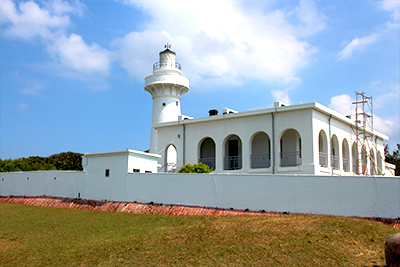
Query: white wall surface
346	195
333	195
39	183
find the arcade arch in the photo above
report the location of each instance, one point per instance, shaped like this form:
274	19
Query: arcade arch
233	153
260	151
290	148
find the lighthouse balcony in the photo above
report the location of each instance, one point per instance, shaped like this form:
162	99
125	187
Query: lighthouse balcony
166	65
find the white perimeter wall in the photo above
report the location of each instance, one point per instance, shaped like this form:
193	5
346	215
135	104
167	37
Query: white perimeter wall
39	183
334	195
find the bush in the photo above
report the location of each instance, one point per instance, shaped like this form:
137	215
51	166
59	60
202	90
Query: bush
196	168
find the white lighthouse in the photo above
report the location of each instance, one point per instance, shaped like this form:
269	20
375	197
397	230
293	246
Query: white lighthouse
166	86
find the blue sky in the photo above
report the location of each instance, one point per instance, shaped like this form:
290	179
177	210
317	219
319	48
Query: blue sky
72	72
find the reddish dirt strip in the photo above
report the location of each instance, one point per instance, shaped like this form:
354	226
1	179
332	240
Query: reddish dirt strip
146	208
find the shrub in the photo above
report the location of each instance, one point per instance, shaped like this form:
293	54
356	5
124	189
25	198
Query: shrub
196	168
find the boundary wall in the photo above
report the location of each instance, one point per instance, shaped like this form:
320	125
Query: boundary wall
360	196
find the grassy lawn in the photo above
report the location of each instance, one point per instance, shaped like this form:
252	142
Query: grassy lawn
38	236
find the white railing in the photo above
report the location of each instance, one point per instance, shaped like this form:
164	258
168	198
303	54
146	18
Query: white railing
335	162
233	163
290	158
168	167
354	166
346	165
166	65
260	160
208	161
322	159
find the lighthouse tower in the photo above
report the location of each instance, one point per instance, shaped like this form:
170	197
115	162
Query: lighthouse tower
166	86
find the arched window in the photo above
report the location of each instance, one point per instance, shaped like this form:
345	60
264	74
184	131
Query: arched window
363	161
372	161
335	153
171	159
354	157
345	156
379	161
260	151
207	152
290	148
322	149
233	153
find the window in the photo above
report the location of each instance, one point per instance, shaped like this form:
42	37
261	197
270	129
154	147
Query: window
136	170
177	103
164	104
148	171
107	172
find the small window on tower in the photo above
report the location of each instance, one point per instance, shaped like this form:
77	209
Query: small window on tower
107	172
177	103
163	104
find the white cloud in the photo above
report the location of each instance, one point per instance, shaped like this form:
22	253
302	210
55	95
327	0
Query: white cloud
74	53
49	22
342	104
313	21
392	6
385	126
357	44
223	41
281	95
28	19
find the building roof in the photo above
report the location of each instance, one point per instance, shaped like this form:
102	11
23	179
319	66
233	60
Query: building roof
283	108
122	152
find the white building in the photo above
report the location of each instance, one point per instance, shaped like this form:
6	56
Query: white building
286	139
118	163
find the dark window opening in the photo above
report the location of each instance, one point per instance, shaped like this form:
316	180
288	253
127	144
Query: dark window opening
107	172
136	170
148	172
233	149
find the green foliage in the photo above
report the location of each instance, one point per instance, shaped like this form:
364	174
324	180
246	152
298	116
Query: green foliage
196	168
393	158
67	161
61	161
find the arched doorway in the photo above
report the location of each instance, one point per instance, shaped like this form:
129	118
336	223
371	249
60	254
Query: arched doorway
372	160
207	152
290	148
354	156
363	161
233	153
345	155
322	149
171	159
260	151
379	161
335	153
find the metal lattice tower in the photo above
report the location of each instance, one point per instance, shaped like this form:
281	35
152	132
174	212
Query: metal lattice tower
363	121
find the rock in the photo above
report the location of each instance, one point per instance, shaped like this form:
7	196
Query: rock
392	250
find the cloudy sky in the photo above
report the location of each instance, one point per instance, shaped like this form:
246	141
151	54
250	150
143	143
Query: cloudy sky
72	72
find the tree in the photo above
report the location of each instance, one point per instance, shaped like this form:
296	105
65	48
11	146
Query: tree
196	168
393	158
62	161
68	161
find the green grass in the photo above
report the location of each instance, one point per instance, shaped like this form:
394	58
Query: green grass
38	236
